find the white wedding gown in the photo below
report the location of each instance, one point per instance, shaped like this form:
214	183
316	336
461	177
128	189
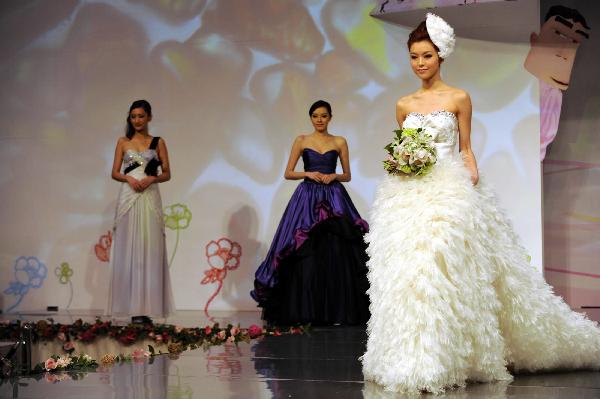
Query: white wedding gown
453	295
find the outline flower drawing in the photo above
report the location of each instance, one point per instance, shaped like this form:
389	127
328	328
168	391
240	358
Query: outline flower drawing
64	274
102	248
177	217
30	272
222	255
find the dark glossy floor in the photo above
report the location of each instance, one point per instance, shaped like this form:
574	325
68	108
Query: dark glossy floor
322	364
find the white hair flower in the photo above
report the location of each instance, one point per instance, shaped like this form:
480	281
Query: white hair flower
441	34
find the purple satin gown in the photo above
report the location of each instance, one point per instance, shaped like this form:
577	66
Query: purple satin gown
315	270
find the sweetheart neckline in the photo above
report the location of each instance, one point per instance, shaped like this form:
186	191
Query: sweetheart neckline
320	153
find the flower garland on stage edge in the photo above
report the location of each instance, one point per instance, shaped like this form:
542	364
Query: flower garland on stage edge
177	339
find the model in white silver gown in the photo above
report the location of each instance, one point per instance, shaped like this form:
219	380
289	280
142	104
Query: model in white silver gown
139	281
453	295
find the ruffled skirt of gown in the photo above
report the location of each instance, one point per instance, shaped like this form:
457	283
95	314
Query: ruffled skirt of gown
315	271
453	295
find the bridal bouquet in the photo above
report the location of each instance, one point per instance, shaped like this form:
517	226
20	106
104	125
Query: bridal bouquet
411	152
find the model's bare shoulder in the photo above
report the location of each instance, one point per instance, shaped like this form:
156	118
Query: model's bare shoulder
300	141
403	106
121	141
403	102
339	139
460	96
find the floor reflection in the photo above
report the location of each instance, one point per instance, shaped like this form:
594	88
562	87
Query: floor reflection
321	364
488	391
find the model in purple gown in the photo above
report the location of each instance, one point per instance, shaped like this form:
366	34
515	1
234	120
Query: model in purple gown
315	270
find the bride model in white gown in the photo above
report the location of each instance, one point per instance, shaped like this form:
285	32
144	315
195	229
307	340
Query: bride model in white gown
453	295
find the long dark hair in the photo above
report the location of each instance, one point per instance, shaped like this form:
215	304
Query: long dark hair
145	105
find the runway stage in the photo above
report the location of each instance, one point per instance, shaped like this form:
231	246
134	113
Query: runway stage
320	364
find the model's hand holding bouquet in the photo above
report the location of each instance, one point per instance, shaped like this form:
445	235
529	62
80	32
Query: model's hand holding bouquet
411	152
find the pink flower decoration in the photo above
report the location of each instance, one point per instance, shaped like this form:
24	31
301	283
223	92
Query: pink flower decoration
207	330
61	336
222	335
254	331
63	361
234	331
102	248
68	346
139	360
50	364
140	353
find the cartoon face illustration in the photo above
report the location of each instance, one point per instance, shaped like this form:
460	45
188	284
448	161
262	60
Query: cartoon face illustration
553	50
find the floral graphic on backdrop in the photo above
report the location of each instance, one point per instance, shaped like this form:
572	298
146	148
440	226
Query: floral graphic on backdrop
30	272
177	217
64	274
222	255
102	248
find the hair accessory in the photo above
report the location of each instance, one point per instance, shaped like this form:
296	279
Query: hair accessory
441	34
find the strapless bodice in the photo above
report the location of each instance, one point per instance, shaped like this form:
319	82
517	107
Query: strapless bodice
314	161
441	125
142	158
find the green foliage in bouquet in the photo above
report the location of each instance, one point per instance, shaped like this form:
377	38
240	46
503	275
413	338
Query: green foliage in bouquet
411	152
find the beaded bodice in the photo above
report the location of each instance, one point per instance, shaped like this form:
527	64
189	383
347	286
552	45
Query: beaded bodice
142	158
441	125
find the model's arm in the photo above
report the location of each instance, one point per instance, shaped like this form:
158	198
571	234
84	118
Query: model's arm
464	112
165	168
400	112
345	161
290	173
116	168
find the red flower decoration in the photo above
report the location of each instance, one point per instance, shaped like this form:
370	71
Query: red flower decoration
255	331
222	255
102	249
213	275
87	336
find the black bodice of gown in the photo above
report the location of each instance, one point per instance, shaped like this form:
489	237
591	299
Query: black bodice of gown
314	161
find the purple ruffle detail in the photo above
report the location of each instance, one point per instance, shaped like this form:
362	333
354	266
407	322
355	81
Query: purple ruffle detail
311	204
324	210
